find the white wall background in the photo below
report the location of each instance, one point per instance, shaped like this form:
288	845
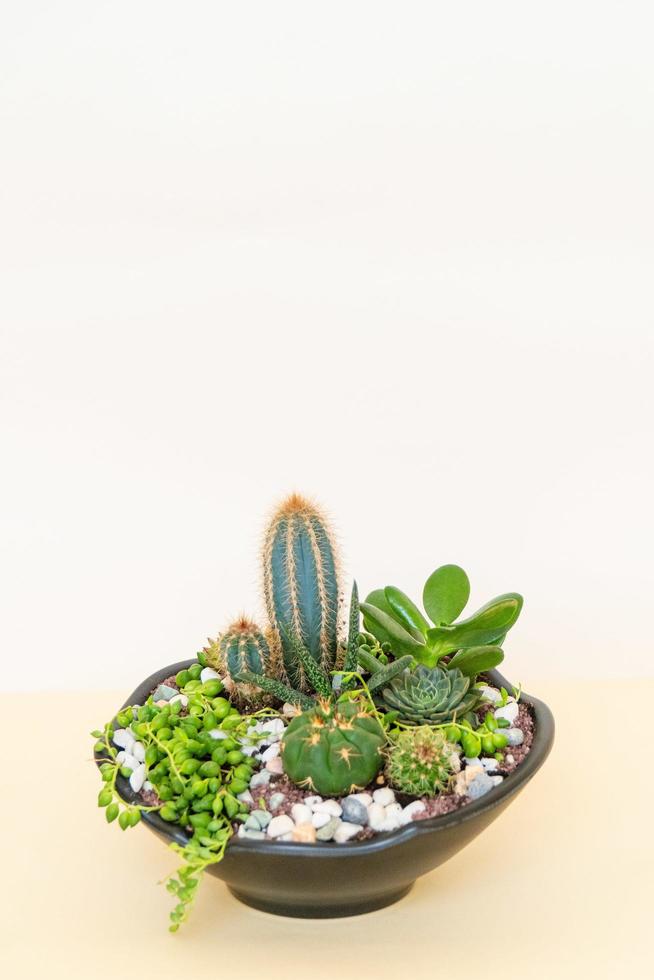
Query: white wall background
397	256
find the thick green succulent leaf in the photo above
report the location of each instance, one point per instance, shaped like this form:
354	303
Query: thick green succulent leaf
353	631
488	625
406	612
277	688
368	661
378	598
382	624
386	674
476	660
446	593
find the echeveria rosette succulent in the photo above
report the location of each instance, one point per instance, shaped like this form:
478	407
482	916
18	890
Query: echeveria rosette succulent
431	696
393	618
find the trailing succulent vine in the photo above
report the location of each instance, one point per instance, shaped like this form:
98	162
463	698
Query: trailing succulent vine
394	704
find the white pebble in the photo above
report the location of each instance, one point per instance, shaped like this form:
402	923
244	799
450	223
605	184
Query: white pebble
260	779
209	674
139	751
280	825
130	761
275	766
312	800
123	738
514	735
180	697
509	759
320	820
497	780
120	757
331	807
274	725
509	712
364	798
410	811
147	785
301	813
473	763
345	831
491	694
248	749
246	797
490	764
288	836
393	816
271	752
376	816
384	796
137	778
218	733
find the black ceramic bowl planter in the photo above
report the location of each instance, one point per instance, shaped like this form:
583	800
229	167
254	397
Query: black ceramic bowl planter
326	880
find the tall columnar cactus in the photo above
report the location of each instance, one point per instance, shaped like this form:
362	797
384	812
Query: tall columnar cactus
301	588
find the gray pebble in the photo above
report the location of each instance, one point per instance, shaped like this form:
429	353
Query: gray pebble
354	811
480	786
276	801
251	834
260	779
164	693
514	735
258	820
327	832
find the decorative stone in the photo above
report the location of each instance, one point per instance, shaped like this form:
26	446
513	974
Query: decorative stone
219	734
473	763
304	833
410	811
509	712
345	832
514	735
209	674
509	759
261	778
320	820
164	693
384	796
327	832
246	797
137	778
276	801
181	698
376	816
393	816
280	825
479	786
364	798
497	780
491	694
331	807
312	800
270	753
251	834
123	738
290	710
258	819
275	766
354	811
301	813
490	764
274	726
139	751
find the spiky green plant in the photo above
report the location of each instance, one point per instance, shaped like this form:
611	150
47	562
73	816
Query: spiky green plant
301	588
430	696
421	761
241	648
333	749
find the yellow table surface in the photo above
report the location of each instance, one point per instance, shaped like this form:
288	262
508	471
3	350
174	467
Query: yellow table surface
559	886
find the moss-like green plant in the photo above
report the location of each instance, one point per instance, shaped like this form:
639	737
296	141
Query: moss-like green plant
421	762
333	749
393	618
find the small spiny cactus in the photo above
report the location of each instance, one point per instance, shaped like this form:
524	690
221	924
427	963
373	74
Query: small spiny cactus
242	648
421	762
301	588
333	749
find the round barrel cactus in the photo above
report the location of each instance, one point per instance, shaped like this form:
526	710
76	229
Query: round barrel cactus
333	749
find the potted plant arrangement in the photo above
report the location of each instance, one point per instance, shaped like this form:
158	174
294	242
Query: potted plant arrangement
319	763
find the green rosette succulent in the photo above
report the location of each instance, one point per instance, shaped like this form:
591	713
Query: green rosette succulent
430	696
333	749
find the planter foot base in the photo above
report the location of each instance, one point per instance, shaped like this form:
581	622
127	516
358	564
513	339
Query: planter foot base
297	910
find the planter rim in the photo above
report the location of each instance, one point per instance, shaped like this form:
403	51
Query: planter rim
511	784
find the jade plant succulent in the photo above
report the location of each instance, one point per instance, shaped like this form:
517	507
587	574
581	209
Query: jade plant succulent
333	749
421	761
393	618
431	696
